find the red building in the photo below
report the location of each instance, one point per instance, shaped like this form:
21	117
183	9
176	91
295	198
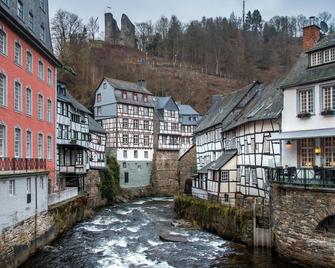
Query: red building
28	79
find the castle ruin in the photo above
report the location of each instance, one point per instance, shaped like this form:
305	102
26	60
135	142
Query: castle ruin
124	37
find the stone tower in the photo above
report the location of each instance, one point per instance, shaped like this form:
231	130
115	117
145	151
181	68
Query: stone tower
125	37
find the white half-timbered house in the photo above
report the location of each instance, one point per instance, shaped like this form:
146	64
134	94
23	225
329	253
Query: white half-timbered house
167	124
189	119
126	111
72	139
241	170
97	145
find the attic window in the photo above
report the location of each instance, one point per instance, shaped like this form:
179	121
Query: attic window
135	97
322	57
145	98
124	95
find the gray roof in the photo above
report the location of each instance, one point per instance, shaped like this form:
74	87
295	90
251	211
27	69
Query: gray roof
325	42
222	108
129	86
69	98
220	162
94	126
301	74
187	110
302	134
267	103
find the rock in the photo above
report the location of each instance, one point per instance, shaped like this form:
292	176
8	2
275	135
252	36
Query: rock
182	224
165	236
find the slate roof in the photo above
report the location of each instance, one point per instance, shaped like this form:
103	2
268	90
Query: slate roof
222	108
220	162
160	102
186	110
301	74
325	42
94	126
266	104
129	86
70	99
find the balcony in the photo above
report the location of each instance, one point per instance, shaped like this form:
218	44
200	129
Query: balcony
21	165
72	169
316	177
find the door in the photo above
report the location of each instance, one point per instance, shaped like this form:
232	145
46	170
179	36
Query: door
126	177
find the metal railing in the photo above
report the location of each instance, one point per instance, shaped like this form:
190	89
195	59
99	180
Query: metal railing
307	177
21	164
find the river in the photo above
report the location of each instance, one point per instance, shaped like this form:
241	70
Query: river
126	235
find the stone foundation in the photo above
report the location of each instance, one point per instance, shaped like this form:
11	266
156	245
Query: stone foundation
165	172
19	242
185	164
296	214
94	198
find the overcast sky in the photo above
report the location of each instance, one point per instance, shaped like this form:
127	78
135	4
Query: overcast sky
187	10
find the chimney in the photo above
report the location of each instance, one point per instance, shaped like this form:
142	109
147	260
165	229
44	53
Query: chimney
142	83
311	34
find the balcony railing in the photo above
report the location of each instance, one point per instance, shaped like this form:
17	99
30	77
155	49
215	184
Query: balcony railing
21	165
308	177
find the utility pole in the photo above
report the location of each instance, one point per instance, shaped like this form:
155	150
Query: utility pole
243	12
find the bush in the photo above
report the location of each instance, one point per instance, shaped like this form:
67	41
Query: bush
110	178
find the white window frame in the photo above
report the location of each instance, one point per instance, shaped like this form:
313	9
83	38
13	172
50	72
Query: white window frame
20	11
50	78
40	71
3	48
4	90
17	96
29	101
40	145
49	111
40	107
17	142
328	98
224	175
29	144
307	107
17	53
49	148
29	64
3	147
11	187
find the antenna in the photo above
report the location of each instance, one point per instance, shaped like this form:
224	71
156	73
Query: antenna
243	12
324	27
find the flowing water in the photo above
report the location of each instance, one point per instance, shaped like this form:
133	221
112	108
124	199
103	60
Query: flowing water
127	236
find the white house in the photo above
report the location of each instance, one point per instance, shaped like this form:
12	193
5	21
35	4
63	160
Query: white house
126	112
308	118
97	145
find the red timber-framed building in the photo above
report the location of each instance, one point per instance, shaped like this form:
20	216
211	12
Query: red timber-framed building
28	72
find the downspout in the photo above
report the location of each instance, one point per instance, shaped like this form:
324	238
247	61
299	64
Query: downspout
35	227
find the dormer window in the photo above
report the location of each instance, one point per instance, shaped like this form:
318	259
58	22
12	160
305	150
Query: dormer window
145	98
322	57
124	95
20	9
98	97
135	97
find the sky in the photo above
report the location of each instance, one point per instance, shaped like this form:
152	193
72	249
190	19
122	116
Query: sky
187	10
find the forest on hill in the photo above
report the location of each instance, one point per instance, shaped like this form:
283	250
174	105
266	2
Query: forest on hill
189	61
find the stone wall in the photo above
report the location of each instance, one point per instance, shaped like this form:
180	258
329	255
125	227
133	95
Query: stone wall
94	198
296	214
231	223
165	172
185	164
19	242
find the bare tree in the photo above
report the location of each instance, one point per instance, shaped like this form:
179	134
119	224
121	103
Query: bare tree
92	27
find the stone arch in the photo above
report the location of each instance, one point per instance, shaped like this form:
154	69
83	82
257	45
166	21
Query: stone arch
327	224
323	213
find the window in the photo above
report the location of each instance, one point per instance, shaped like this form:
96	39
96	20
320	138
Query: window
226	198
3	42
135	110
31	21
306	103
40	107
125	154
2	141
12	187
124	164
42	32
40	146
327	56
145	98
146	140
125	109
19	9
225	175
3	90
135	97
49	111
267	145
99	111
79	158
98	97
29	62
125	139
146	154
145	111
136	140
328	98
28	145
17	143
17	97
49	148
124	123
17	53
136	124
174	127
146	125
124	95
247	175
40	70
166	126
329	152
307	152
28	185
49	77
135	154
254	176
28	101
332	54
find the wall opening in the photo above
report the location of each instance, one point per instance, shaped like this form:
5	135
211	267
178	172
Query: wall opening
327	225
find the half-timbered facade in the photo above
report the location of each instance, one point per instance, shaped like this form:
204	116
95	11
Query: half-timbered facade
189	119
241	169
73	144
97	145
167	124
126	111
28	71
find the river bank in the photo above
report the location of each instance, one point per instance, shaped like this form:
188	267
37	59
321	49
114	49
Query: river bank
127	235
